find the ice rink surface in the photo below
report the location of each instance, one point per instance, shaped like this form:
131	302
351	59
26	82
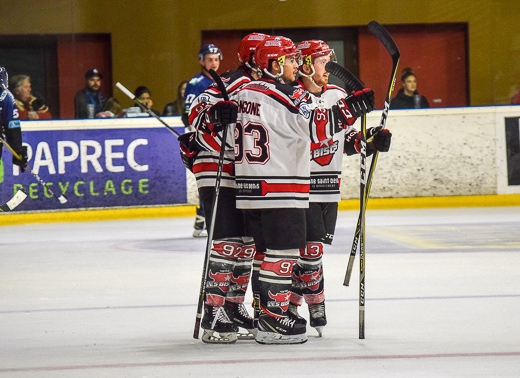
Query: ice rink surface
118	299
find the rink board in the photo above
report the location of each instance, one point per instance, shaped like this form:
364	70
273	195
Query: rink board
98	164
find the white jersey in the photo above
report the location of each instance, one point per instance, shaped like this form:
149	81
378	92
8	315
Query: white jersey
205	164
276	124
327	156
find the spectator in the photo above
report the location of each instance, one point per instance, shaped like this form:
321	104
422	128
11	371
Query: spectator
209	58
90	95
29	107
176	107
408	97
112	109
144	95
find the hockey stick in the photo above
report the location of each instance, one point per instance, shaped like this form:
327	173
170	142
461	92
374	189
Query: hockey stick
143	106
382	34
17	199
214	206
61	198
353	83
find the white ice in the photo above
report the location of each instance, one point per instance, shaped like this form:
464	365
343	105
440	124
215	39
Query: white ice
118	299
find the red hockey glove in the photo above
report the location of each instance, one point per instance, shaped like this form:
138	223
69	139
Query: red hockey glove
223	113
380	138
22	152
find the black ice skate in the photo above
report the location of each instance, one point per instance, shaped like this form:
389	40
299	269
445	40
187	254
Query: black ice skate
218	328
317	317
241	318
292	312
280	331
199	228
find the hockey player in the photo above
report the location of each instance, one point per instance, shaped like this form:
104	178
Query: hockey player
231	255
276	123
10	123
326	165
209	58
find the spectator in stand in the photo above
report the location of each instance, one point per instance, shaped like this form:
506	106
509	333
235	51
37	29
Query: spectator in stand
112	109
144	95
408	97
90	95
29	106
176	107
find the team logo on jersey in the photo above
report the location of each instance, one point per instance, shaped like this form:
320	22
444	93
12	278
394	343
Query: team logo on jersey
322	153
203	98
297	93
305	111
279	300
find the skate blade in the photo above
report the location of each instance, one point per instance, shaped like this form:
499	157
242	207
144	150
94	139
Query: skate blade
210	337
250	334
263	337
319	330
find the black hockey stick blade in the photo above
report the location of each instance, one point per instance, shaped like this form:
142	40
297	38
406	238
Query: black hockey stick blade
382	34
17	199
217	79
350	80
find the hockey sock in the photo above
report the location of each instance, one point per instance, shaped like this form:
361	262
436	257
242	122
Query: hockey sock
310	270
241	272
275	281
220	269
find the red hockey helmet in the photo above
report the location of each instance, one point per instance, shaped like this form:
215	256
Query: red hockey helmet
313	49
248	45
274	47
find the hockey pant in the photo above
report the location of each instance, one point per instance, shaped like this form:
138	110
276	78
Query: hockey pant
229	270
307	276
276	282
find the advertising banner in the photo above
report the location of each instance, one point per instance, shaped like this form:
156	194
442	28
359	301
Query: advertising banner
513	150
99	167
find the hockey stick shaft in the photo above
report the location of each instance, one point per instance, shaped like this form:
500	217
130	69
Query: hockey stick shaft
214	207
382	34
61	198
143	106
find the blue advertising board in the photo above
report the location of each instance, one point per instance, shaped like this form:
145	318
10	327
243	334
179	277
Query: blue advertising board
104	165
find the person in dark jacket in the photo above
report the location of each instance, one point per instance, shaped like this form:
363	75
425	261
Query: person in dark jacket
408	97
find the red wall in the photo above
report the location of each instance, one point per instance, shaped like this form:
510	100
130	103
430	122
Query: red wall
436	53
91	51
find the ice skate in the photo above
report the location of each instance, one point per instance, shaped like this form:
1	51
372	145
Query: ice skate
292	312
199	228
318	319
241	318
280	331
218	328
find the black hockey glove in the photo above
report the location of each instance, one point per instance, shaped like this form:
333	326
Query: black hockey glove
187	154
354	106
380	138
223	113
22	152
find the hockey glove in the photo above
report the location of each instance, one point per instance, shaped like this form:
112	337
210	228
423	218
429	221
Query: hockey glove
187	154
380	138
223	113
22	152
348	109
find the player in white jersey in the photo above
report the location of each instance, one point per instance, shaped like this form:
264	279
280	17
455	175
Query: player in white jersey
276	123
230	260
326	160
